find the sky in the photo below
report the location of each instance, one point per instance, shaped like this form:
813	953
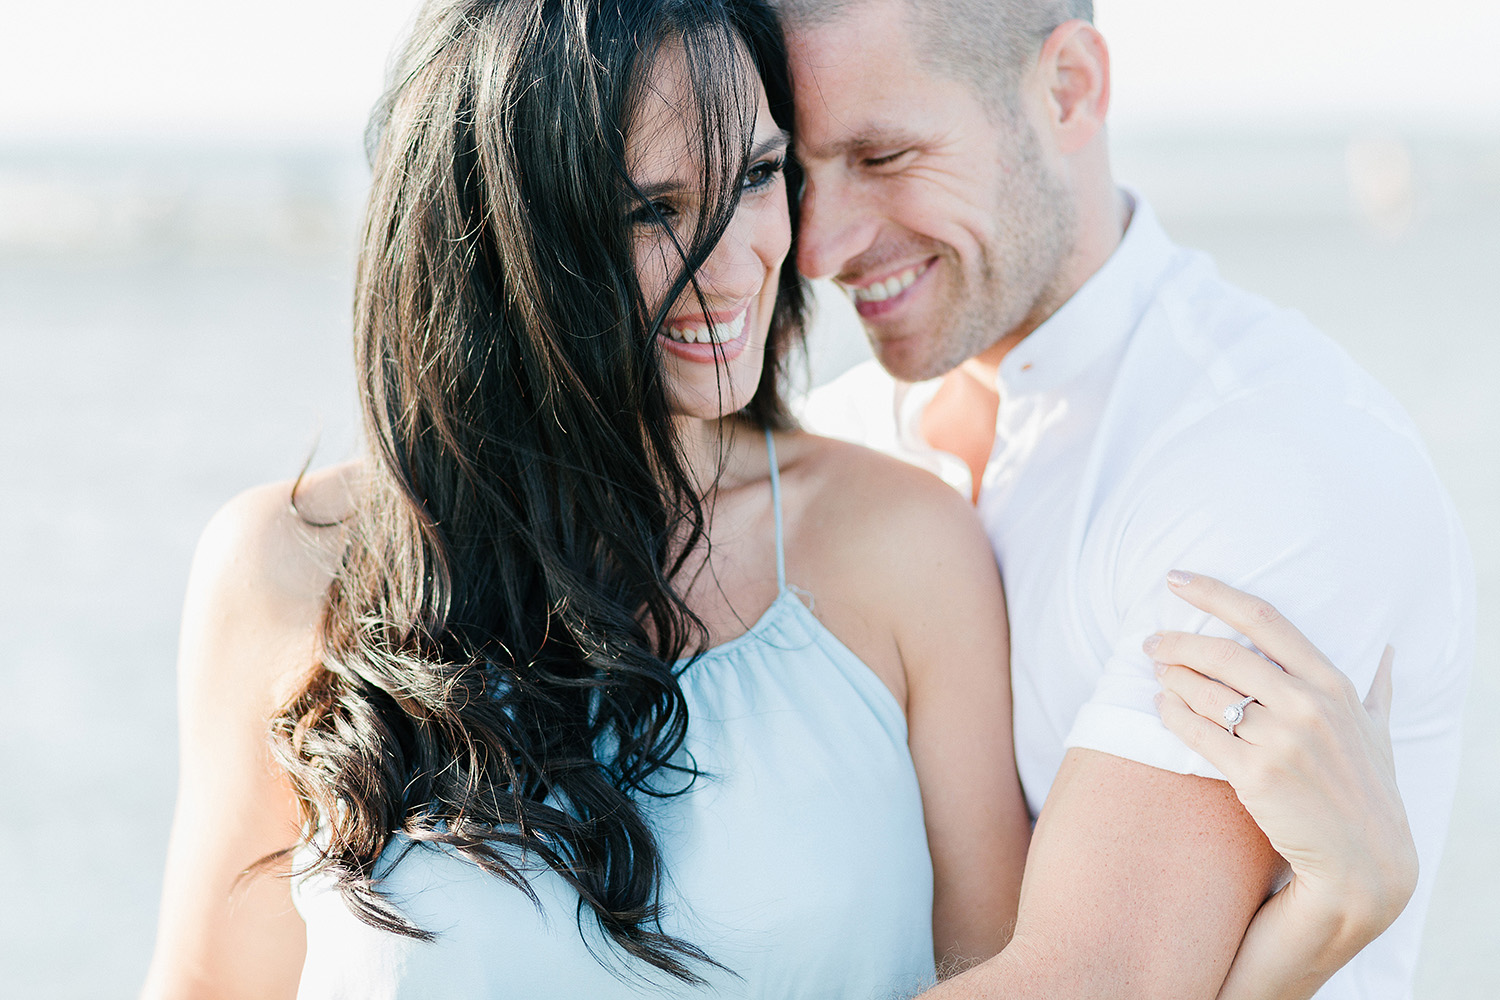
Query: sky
311	68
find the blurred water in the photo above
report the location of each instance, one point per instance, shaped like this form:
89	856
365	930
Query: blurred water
174	328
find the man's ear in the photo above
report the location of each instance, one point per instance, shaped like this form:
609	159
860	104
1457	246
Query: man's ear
1074	70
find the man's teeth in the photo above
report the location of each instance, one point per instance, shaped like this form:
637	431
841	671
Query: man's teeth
879	291
712	333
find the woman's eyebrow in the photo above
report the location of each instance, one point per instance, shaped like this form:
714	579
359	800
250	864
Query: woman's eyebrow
655	189
777	141
774	142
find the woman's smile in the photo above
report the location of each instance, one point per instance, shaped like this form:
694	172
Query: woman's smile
720	336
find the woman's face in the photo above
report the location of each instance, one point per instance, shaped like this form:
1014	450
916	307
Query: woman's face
713	360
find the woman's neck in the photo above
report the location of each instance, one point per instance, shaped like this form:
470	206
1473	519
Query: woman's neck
712	451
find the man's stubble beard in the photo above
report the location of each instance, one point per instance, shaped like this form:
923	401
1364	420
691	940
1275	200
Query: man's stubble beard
1020	273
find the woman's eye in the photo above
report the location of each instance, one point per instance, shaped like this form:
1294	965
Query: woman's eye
655	213
763	172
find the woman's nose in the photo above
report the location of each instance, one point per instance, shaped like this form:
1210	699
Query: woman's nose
755	243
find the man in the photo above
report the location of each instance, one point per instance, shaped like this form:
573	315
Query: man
1115	410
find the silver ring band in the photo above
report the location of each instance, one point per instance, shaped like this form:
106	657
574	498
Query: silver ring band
1235	714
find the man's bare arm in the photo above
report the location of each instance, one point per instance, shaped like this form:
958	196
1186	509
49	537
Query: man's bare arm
1140	883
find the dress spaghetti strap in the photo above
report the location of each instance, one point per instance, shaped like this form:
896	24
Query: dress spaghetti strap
776	508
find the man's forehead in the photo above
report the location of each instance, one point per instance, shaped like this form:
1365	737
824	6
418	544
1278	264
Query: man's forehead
862	104
845	34
854	80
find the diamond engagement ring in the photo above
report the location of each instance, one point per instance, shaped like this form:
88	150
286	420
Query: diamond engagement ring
1235	714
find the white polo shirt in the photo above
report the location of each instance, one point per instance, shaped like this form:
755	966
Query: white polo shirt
1164	419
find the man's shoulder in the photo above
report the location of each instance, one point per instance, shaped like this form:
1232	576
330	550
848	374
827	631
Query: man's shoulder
1207	351
1231	404
1209	319
1241	434
1246	443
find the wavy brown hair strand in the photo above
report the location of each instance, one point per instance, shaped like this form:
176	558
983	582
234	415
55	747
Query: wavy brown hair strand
501	643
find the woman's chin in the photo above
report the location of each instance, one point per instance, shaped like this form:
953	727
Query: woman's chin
713	391
694	405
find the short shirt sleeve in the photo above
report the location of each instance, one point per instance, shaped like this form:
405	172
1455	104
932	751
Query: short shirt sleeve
1321	507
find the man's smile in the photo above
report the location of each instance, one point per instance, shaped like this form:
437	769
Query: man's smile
874	297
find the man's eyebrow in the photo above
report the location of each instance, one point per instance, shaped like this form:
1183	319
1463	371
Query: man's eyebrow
775	142
855	140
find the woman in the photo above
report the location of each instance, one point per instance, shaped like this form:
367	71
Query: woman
594	676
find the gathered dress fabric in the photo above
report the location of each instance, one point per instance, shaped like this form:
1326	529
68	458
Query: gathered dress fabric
797	860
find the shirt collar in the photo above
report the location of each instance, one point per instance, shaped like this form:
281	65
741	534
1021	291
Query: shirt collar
1100	316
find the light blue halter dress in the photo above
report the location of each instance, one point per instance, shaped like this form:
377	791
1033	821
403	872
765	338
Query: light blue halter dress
798	860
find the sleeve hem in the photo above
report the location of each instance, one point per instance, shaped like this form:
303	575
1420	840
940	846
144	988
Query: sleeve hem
1136	736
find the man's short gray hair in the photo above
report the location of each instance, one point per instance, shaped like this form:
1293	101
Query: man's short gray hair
988	44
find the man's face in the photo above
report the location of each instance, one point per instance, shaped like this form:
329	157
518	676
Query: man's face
941	219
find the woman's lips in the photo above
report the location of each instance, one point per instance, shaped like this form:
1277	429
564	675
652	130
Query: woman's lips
708	342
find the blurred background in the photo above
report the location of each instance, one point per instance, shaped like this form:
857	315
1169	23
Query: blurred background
180	191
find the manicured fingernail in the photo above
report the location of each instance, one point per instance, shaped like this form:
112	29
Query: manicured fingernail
1158	698
1159	667
1149	646
1179	578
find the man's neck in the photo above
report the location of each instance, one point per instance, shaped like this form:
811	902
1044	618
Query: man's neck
961	418
1100	231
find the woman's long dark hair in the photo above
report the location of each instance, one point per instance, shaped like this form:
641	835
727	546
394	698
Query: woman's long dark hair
499	647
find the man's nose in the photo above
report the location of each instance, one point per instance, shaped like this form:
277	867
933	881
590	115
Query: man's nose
834	228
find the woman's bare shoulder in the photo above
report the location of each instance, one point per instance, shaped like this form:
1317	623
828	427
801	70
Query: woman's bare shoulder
871	492
875	517
895	558
285	549
259	579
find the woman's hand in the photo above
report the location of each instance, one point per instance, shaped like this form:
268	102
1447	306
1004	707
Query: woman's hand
1312	765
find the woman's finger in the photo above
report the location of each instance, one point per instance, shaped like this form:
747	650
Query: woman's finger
1259	622
1210	741
1212	700
1222	659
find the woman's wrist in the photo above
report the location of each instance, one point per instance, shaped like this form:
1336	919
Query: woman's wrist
1296	941
1339	917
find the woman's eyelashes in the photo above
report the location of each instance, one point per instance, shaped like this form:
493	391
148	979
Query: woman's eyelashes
763	172
757	177
653	213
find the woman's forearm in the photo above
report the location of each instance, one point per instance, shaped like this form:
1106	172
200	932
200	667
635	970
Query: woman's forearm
1297	941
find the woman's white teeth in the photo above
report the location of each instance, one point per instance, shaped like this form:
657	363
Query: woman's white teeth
713	333
879	291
